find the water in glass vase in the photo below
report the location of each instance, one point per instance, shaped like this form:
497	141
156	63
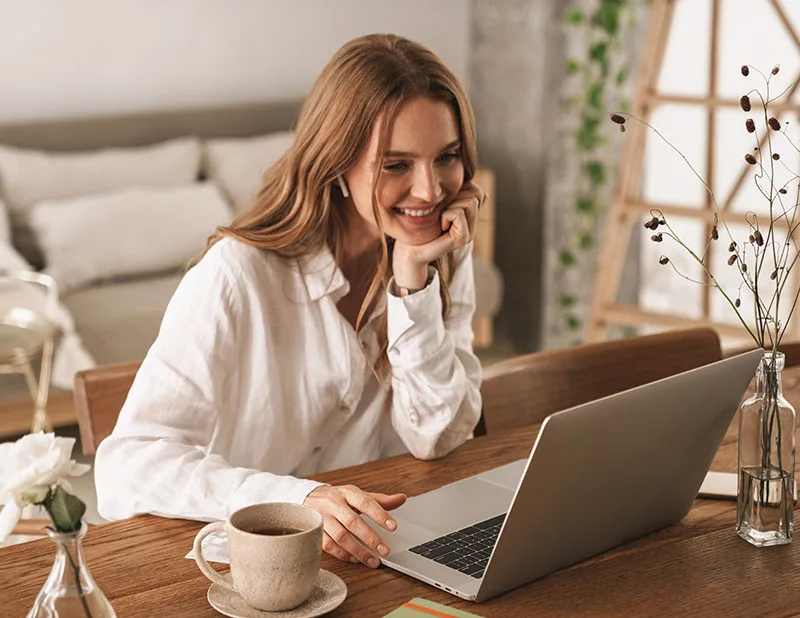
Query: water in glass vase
765	499
765	506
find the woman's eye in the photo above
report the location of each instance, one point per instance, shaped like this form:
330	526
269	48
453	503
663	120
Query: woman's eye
449	157
395	167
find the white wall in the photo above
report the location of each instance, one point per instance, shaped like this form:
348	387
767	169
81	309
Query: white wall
65	58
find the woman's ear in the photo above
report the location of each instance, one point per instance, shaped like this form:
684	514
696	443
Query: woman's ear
342	185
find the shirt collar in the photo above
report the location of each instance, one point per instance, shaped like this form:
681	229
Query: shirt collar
321	275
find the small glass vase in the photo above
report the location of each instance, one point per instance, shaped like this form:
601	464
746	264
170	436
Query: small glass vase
70	591
766	493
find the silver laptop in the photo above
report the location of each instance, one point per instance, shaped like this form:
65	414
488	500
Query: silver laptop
599	475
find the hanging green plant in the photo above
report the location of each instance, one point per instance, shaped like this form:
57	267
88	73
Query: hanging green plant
599	71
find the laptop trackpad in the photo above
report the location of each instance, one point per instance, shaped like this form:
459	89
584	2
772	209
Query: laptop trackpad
507	476
457	505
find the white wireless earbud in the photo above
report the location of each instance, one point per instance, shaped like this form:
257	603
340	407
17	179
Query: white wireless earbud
342	185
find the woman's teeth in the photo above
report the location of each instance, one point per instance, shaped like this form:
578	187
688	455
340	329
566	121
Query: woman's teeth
417	213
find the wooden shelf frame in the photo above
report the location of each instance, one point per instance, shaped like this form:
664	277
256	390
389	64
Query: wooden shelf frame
627	206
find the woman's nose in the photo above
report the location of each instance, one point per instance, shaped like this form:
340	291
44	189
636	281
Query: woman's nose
427	186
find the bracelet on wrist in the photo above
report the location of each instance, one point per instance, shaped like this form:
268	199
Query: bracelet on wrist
400	291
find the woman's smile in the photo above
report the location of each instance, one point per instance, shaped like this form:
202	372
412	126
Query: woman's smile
418	216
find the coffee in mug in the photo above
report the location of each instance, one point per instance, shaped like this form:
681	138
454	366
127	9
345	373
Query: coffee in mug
277	531
274	550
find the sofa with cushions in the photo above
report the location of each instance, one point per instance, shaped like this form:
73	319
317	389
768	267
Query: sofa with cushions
114	208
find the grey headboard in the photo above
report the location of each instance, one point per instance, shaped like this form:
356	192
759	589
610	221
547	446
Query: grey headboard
148	127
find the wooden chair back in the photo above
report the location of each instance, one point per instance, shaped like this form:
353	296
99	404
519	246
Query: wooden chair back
99	395
524	390
790	349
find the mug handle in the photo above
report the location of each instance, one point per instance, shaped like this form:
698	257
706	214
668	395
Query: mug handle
202	563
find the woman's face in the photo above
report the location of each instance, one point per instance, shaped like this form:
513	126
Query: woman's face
422	172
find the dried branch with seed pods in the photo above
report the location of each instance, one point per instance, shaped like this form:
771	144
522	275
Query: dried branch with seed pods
766	256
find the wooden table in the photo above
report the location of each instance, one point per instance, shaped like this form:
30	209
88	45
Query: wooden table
697	567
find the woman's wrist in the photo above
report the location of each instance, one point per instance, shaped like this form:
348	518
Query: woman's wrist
410	277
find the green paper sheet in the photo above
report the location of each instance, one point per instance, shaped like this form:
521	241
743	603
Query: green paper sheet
421	608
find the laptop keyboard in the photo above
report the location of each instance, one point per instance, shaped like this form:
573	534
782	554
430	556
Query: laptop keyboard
466	550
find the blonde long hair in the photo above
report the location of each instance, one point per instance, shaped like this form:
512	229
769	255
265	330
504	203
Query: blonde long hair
297	211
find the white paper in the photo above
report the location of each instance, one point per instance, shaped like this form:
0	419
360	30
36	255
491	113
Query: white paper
215	548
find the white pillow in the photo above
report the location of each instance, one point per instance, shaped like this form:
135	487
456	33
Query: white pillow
30	176
134	231
238	164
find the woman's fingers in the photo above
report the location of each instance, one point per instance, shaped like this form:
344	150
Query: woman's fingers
369	506
471	196
455	223
389	501
468	207
334	549
346	535
340	534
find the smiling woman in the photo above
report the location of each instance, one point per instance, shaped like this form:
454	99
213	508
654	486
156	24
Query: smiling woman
421	173
328	325
418	186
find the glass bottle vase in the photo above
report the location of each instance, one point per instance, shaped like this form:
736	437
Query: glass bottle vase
70	591
766	490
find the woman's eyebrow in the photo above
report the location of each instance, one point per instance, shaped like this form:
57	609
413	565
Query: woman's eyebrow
399	153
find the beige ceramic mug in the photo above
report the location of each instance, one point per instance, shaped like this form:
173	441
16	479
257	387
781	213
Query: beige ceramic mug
274	551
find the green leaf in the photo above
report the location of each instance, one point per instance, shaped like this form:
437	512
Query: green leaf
599	53
594	95
587	133
622	75
573	67
607	16
65	510
586	205
629	331
566	257
573	322
596	172
632	16
574	17
566	300
585	240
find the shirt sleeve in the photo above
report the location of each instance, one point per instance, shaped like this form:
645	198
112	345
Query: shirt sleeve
435	373
157	460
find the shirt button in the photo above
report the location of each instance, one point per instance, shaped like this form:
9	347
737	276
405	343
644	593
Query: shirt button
395	353
344	410
414	418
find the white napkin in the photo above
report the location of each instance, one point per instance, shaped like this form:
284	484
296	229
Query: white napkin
215	548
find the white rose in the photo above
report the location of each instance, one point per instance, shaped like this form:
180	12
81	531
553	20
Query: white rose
28	468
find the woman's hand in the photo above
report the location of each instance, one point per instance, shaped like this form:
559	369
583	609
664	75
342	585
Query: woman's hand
343	527
410	262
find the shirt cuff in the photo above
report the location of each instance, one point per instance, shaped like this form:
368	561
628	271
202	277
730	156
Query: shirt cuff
415	328
266	487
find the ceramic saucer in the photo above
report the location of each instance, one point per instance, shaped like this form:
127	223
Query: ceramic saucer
328	594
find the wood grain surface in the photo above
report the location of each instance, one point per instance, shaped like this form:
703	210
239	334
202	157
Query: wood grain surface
697	567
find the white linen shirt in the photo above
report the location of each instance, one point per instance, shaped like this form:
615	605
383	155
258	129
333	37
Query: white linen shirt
256	379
